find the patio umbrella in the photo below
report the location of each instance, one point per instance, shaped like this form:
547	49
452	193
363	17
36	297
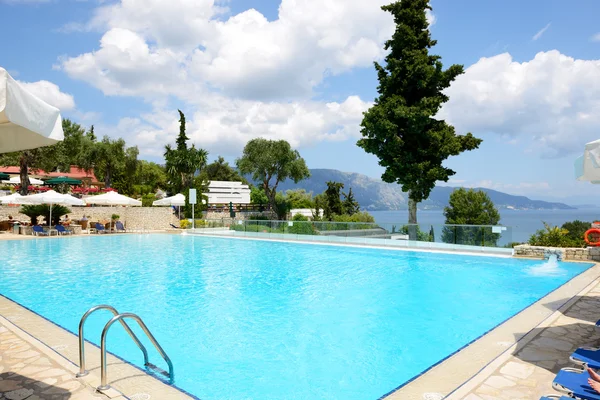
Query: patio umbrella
587	167
177	200
4	177
63	180
26	122
16	180
112	199
10	199
50	197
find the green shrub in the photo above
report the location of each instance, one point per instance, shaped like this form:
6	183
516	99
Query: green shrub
34	211
115	217
258	217
302	228
185	224
362	216
148	199
299	217
553	236
421	235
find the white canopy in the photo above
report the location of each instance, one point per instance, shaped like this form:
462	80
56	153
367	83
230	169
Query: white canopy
112	199
26	122
50	197
10	199
16	180
177	200
587	167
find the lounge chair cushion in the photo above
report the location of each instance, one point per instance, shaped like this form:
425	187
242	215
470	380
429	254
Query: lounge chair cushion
590	357
576	383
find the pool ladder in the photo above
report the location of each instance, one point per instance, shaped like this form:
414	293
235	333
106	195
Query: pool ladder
120	318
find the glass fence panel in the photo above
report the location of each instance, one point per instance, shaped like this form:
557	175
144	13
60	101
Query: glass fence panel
395	234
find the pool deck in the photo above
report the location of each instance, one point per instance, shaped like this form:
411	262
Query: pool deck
516	360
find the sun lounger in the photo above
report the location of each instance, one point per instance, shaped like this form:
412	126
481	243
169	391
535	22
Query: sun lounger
588	356
100	228
38	230
555	397
574	382
120	227
62	230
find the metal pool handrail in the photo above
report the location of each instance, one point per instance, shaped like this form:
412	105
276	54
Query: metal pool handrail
103	365
82	371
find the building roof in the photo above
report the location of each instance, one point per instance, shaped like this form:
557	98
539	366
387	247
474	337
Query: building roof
74	172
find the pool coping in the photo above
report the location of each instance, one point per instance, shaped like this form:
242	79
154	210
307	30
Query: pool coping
457	374
125	378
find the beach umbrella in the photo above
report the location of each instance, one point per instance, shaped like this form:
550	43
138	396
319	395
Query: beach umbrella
177	200
50	197
16	180
10	199
26	122
112	199
63	180
4	177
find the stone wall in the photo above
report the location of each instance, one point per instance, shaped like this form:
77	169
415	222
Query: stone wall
569	254
147	218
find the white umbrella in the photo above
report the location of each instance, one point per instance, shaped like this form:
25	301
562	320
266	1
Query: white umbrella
587	167
50	197
10	199
112	199
16	180
177	200
26	122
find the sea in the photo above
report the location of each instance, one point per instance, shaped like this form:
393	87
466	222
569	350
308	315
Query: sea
521	224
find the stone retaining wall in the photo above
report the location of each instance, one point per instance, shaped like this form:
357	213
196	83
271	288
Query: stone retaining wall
148	218
573	254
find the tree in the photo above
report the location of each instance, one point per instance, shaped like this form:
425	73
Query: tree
271	162
220	170
299	198
333	204
258	196
149	177
182	163
110	157
400	128
73	150
470	207
350	205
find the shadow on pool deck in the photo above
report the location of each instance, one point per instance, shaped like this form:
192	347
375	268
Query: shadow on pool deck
15	386
552	346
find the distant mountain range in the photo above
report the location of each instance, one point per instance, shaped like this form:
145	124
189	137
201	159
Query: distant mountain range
375	195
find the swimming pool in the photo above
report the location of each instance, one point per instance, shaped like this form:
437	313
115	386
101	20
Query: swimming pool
246	319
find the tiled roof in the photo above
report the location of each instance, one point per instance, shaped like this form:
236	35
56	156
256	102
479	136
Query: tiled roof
76	173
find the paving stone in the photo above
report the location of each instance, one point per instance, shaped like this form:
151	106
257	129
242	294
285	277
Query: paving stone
19	394
518	370
499	382
8	385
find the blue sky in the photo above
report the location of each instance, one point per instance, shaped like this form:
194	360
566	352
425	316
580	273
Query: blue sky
294	70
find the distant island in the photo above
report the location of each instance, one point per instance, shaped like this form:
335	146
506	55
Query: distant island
376	195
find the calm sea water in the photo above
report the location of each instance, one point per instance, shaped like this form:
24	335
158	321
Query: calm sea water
244	319
522	223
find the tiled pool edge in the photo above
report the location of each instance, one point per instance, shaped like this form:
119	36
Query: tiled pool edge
126	378
454	376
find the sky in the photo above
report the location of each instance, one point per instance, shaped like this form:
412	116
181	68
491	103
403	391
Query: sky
302	70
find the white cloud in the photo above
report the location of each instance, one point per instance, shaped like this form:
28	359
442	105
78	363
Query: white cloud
51	94
554	100
541	32
596	37
223	126
243	56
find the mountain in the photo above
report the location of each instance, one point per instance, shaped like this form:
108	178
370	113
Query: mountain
375	195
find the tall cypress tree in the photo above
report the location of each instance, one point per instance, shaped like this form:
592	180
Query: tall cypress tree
401	128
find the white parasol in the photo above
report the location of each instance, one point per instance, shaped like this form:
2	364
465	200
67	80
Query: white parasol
26	122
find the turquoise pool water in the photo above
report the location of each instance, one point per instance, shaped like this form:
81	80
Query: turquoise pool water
244	319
